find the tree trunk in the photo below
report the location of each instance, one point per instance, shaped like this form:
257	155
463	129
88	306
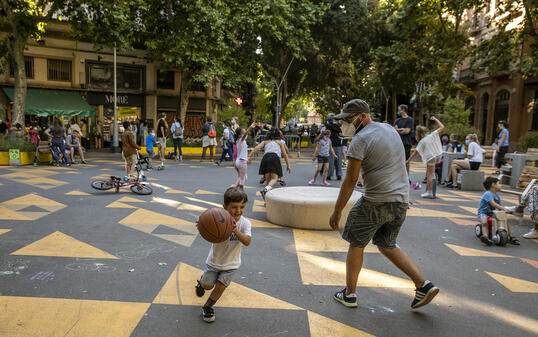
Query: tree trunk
17	114
394	107
186	80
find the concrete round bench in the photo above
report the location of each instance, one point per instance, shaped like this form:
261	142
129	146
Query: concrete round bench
305	207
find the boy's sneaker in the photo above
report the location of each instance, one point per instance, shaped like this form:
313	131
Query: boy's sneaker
424	295
533	234
486	240
208	314
200	291
349	301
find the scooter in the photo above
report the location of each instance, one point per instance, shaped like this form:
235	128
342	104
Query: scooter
496	227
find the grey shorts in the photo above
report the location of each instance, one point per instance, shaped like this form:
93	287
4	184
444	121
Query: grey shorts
380	221
212	275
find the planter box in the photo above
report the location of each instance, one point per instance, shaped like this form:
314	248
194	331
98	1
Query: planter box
26	158
4	158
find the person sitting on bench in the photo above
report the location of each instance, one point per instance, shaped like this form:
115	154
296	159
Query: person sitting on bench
475	156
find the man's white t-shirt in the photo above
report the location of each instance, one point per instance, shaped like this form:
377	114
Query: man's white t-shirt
226	133
227	255
430	147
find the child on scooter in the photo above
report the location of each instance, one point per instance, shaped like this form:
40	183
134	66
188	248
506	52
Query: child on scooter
490	201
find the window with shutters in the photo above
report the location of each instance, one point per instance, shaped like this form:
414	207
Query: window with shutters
58	70
28	68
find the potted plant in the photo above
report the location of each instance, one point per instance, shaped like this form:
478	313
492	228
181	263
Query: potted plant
26	152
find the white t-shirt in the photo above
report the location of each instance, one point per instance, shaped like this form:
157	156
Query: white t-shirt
273	147
227	255
430	147
476	152
226	134
242	150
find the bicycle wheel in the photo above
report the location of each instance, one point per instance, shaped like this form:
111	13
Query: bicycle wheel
102	185
141	189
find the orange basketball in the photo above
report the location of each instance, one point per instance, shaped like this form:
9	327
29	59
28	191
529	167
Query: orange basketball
215	225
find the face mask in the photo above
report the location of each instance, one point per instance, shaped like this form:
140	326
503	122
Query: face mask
467	142
445	140
398	113
349	129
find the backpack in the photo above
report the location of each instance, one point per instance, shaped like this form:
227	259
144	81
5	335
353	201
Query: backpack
178	131
212	133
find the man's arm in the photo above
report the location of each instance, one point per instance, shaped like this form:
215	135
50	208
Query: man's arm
348	185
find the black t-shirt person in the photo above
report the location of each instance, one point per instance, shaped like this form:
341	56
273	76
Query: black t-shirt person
406	123
160	127
335	133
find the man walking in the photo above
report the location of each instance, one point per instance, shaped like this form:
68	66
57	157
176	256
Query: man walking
376	150
177	137
227	143
404	125
336	140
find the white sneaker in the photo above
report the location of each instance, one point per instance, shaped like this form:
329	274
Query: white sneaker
427	195
533	234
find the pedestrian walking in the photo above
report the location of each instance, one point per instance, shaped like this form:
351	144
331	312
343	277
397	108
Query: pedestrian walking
271	167
177	137
322	153
162	128
504	136
227	142
335	162
377	150
209	138
404	125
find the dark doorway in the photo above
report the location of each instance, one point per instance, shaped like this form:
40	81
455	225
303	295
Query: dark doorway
484	111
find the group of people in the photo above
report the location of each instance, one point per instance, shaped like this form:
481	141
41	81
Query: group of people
65	144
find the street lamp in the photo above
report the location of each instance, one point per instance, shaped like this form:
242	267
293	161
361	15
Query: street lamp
115	143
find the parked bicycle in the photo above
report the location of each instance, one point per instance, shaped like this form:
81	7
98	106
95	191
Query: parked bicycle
138	185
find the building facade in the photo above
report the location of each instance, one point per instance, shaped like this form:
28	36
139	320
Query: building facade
512	99
59	63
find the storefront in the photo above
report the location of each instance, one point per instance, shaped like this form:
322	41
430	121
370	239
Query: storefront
42	106
130	108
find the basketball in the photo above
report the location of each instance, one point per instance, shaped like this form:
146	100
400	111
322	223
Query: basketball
215	225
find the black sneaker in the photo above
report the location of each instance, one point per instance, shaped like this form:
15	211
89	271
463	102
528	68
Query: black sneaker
339	178
349	301
424	295
208	314
200	291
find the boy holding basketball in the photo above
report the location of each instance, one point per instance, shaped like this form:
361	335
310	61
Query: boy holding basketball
225	258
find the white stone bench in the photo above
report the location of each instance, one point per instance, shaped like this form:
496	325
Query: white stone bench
305	207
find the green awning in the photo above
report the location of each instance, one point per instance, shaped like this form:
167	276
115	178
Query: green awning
53	103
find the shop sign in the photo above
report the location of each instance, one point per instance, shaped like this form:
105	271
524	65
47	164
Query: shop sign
99	98
128	112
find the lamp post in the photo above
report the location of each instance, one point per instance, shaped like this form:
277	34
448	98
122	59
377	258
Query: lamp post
115	130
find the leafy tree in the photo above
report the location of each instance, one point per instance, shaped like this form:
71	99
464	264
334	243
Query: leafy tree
456	118
101	22
513	48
